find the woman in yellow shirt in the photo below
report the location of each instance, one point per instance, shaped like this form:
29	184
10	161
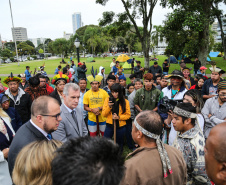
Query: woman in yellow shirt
116	108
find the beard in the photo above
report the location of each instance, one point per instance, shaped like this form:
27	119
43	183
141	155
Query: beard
47	129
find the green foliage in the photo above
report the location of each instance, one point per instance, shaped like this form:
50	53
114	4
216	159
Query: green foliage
40	51
134	9
4	58
28	58
6	53
25	49
11	58
34	57
218	47
30	43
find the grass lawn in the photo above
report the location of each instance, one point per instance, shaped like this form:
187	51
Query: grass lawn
50	65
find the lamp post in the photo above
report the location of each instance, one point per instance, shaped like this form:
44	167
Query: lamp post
77	43
13	32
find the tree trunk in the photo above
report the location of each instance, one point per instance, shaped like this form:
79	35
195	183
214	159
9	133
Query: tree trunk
203	48
203	45
224	46
146	47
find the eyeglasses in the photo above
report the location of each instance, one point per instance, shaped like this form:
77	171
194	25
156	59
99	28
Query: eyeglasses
54	116
222	95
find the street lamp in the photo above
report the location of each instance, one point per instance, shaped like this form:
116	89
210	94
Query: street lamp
77	43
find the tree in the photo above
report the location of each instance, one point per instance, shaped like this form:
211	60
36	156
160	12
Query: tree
134	9
91	37
218	47
5	53
60	46
25	49
156	35
193	16
30	43
40	51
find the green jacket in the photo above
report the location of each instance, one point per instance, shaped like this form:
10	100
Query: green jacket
147	100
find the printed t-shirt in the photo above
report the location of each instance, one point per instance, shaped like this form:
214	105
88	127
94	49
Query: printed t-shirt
95	100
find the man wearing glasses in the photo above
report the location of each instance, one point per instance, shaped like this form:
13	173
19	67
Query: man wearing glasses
214	109
45	119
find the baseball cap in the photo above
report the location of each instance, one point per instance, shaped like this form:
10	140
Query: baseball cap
203	67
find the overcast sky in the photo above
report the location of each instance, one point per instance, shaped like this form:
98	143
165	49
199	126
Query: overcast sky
50	18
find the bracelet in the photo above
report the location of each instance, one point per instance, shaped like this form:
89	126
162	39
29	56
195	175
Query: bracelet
91	110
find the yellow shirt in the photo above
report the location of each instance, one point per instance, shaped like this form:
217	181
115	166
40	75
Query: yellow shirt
94	100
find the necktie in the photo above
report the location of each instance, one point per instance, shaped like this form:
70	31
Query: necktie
73	113
49	136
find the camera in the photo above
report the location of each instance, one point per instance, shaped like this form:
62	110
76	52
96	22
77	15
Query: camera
112	99
167	105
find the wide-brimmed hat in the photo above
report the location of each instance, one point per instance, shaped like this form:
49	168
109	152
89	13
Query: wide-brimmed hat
11	78
60	76
177	73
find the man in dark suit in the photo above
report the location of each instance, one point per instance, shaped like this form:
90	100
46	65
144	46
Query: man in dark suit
45	118
72	124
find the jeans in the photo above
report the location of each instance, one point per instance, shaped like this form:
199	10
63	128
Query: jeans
120	132
165	73
196	71
129	138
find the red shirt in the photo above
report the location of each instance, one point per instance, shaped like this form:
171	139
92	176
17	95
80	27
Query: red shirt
49	89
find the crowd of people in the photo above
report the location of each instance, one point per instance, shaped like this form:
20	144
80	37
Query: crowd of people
60	132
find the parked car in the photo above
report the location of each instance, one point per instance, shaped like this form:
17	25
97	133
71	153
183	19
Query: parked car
8	60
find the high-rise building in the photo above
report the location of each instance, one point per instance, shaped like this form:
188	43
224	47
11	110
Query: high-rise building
19	34
76	21
67	36
216	28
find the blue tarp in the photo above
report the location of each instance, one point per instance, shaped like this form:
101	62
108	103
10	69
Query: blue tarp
173	60
208	59
214	54
129	61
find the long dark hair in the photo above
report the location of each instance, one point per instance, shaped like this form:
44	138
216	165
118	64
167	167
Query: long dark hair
197	98
199	77
118	88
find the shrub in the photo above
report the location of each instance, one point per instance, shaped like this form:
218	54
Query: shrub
4	58
28	58
12	59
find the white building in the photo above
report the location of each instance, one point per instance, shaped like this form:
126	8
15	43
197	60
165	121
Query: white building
37	41
76	21
216	28
19	34
160	49
67	36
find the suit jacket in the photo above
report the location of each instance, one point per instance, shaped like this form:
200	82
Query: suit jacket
68	128
25	135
